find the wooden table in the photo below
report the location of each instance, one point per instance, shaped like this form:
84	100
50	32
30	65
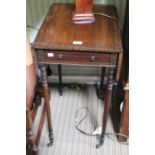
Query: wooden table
60	41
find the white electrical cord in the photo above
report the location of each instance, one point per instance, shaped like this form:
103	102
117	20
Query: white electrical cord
102	14
77	123
96	13
97	130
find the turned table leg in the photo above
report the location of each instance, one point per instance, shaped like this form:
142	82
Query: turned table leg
108	97
47	98
29	134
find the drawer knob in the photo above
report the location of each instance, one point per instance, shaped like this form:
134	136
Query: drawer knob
92	58
60	57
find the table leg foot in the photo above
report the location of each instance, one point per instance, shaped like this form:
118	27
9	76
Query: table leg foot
100	142
51	139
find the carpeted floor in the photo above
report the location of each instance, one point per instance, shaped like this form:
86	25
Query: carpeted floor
68	140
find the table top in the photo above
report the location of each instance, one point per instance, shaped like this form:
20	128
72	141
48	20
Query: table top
58	32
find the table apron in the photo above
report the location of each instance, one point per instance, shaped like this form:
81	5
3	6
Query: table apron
77	58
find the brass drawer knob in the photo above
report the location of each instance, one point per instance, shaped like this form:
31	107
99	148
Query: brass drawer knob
60	57
92	58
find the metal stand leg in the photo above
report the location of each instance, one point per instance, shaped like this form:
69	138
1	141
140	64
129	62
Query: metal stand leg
108	97
47	98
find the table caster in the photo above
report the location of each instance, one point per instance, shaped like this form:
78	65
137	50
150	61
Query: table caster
100	143
51	138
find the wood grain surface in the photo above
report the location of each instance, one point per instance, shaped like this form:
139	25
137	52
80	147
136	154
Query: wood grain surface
59	32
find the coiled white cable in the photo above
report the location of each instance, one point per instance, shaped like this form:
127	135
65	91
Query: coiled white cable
77	123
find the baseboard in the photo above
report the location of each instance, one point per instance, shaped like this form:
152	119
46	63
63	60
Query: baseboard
81	79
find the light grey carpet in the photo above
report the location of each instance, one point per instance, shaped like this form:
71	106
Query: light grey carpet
69	141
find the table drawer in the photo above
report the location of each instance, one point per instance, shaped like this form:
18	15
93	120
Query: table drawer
75	57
